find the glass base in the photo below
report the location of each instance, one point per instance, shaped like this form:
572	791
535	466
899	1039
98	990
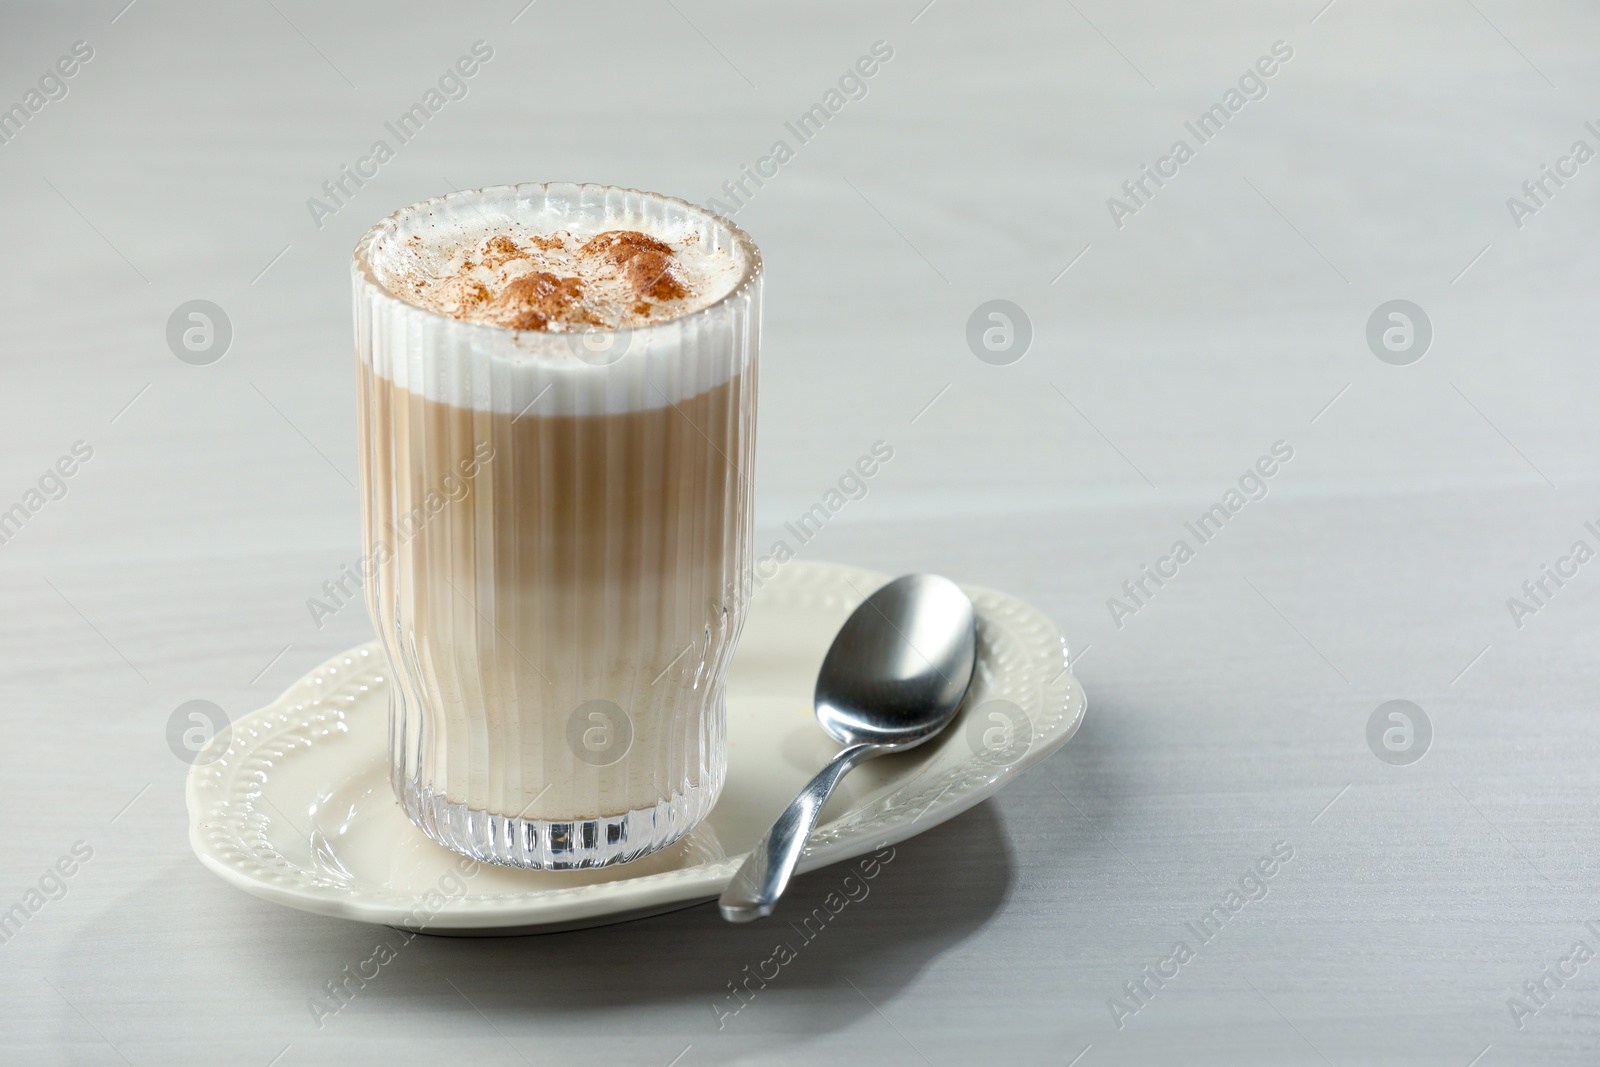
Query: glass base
547	845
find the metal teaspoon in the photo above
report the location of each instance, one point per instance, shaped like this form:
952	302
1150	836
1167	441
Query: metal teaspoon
893	678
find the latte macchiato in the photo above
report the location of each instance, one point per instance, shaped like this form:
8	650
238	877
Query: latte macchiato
557	398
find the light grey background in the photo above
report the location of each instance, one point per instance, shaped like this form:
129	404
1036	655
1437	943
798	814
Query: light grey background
1229	313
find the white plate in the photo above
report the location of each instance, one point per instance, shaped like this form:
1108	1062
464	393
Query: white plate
293	802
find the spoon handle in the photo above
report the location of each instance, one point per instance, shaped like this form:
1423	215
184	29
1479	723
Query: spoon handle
755	890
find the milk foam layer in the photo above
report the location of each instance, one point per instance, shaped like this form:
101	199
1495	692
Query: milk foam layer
421	262
528	276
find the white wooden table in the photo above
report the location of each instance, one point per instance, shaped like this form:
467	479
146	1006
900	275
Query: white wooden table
1229	705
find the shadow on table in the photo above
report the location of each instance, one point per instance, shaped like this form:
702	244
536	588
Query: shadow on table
664	978
937	889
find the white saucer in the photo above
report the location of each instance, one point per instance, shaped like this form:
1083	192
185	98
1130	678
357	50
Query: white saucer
293	802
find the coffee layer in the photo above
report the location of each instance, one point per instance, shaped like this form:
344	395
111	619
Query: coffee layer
545	569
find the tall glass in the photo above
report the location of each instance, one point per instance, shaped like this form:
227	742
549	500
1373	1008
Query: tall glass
560	528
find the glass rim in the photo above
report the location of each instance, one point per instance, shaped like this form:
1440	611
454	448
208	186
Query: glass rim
361	259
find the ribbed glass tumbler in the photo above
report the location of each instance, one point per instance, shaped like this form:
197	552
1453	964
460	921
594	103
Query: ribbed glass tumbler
560	536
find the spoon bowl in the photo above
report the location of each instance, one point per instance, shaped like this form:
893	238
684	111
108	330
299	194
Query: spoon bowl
896	673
